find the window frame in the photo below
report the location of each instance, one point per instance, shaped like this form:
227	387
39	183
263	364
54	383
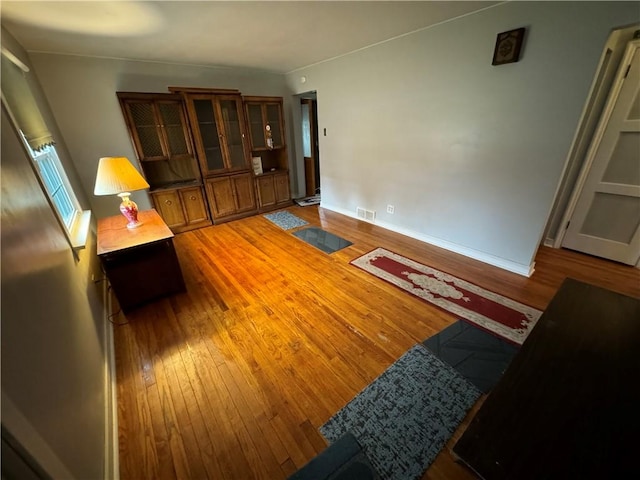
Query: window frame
76	229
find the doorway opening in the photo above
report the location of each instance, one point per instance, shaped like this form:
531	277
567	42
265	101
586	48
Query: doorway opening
308	152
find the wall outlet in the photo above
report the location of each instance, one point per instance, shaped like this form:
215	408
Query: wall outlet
390	209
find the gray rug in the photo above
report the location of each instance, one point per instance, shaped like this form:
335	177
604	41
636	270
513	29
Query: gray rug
405	417
342	460
285	220
478	356
325	241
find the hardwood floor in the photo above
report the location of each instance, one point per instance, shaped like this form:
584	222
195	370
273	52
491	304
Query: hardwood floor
233	378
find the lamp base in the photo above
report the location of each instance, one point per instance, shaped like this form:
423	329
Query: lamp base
130	210
134	225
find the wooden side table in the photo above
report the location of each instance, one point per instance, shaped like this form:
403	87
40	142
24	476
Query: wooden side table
141	263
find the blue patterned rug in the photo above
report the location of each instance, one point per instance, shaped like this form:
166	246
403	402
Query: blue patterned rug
405	417
285	220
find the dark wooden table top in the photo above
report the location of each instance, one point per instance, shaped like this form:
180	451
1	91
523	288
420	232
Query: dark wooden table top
568	406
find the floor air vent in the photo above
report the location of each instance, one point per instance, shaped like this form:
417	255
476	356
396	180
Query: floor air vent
366	215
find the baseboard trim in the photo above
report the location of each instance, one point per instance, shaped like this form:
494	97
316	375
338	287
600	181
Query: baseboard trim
520	269
111	457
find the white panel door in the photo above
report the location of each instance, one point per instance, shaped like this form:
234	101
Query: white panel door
606	219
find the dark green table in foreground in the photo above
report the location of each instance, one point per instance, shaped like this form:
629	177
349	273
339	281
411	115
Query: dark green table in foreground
568	406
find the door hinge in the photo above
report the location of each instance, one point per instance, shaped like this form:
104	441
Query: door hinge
627	72
567	225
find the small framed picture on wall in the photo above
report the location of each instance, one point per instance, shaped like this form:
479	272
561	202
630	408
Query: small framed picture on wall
508	45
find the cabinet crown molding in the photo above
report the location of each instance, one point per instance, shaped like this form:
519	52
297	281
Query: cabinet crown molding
203	90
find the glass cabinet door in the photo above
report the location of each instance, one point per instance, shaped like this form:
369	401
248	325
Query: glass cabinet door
230	111
264	118
174	128
209	135
218	126
256	125
274	121
147	128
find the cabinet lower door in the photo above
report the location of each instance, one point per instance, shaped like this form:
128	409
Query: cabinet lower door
266	192
169	207
194	207
221	197
243	189
281	184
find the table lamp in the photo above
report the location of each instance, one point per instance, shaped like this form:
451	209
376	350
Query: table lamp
117	176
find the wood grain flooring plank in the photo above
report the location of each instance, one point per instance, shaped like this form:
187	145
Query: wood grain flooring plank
227	428
218	458
299	448
170	391
314	436
288	467
146	462
233	378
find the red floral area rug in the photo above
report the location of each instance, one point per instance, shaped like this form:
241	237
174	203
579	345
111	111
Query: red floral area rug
490	311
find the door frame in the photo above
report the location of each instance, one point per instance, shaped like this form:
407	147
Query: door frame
575	171
585	180
298	171
314	159
633	46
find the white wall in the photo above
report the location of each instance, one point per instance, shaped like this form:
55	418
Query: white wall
54	385
82	95
469	154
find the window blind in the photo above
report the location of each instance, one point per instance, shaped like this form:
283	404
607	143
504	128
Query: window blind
18	97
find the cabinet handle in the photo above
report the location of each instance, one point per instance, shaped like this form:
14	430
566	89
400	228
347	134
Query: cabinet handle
192	197
168	202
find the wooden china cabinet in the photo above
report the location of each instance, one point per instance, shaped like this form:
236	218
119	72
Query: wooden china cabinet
219	130
195	147
160	134
267	141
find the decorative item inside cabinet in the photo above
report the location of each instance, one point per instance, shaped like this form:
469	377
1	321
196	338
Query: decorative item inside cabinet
265	122
272	160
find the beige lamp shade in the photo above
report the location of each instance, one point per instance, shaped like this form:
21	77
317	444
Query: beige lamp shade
116	175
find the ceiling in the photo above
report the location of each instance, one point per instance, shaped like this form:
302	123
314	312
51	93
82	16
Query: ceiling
266	35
